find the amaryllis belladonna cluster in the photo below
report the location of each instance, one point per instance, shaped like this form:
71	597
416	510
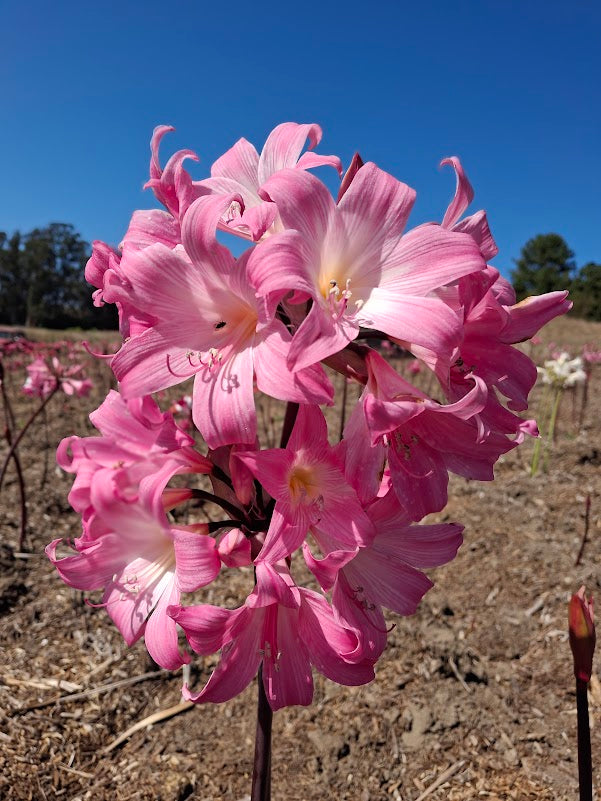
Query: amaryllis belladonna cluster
320	277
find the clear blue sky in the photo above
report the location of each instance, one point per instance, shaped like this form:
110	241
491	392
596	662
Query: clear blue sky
510	87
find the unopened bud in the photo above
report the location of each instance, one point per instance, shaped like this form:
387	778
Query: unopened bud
582	634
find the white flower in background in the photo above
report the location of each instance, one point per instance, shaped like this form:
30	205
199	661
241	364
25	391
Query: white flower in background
563	371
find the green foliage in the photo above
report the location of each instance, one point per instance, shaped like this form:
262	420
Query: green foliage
586	292
42	280
545	265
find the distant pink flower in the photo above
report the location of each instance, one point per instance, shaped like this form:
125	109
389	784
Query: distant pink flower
282	627
42	379
591	354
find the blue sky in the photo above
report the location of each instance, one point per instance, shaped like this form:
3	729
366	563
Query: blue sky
510	87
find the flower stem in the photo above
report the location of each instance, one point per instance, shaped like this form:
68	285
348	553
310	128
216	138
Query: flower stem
551	431
585	764
23	431
8	434
261	781
288	424
228	507
537	445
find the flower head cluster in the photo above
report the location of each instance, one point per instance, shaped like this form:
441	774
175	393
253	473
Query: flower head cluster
591	354
321	275
45	377
563	372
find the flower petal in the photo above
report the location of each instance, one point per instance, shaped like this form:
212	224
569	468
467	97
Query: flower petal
160	635
223	403
197	561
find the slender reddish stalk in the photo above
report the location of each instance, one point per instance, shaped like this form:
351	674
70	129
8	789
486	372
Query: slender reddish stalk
261	781
343	409
13	447
587	520
585	763
8	433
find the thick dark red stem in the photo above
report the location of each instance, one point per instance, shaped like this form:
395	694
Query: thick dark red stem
261	781
585	763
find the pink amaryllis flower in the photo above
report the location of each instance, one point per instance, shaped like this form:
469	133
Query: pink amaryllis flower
173	187
241	171
476	225
142	562
43	379
307	482
209	324
493	323
282	627
136	439
423	440
387	573
352	261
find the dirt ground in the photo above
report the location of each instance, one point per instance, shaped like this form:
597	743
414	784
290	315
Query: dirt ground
474	697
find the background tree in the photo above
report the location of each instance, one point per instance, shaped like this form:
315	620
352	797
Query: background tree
545	265
586	292
42	280
12	297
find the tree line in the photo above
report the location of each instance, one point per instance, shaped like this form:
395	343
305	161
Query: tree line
42	278
546	264
42	281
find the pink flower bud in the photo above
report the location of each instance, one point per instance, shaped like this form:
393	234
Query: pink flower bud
582	634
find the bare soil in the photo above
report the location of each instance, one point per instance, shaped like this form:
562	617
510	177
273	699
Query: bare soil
475	692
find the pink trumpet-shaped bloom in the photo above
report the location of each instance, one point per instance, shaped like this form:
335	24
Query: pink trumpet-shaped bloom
386	573
476	225
354	264
424	439
207	323
241	171
142	562
136	439
281	626
492	324
307	482
172	185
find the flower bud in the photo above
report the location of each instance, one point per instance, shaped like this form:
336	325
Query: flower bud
582	634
